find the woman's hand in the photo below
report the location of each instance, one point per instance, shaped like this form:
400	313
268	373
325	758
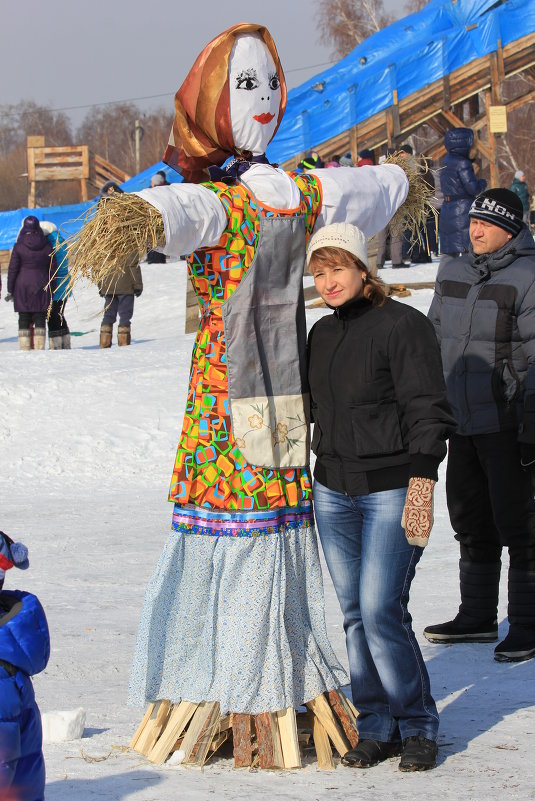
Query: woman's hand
417	517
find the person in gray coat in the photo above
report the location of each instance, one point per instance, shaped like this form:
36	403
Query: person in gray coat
483	311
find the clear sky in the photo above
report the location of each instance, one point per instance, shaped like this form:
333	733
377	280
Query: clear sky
65	53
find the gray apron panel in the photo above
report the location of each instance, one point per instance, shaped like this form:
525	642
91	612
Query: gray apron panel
265	333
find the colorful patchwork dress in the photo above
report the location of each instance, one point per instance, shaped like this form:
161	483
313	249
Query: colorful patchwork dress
235	612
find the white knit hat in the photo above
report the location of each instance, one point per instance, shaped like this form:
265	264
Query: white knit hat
48	227
340	235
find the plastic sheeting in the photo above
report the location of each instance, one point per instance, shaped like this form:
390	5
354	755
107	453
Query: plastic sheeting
406	56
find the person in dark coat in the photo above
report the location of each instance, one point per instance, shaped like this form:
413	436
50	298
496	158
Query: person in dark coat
483	311
119	298
459	186
381	419
24	651
519	187
31	267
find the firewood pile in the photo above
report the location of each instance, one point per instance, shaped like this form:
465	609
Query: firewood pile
268	740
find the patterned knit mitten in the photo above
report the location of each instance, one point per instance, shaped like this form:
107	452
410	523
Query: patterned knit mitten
417	517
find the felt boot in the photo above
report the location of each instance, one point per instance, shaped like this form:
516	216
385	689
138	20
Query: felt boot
105	336
66	341
519	645
123	335
39	338
55	340
24	339
477	619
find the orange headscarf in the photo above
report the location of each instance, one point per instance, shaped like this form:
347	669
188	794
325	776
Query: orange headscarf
202	133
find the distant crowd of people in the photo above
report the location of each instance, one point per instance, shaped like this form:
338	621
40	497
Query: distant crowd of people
38	284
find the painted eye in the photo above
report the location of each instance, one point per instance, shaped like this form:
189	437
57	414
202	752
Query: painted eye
247	83
274	82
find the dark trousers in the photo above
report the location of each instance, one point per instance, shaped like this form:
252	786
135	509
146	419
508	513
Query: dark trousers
57	324
26	318
490	499
122	305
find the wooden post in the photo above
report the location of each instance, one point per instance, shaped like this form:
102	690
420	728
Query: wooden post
494	171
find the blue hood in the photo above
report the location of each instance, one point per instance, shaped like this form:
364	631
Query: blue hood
458	141
24	636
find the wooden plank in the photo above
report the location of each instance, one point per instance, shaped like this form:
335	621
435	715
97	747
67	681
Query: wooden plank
201	732
144	721
268	741
341	712
322	744
324	713
154	728
289	741
179	718
58	173
242	740
35	141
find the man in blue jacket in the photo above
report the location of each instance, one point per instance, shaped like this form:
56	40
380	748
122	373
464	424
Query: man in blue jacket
24	651
483	311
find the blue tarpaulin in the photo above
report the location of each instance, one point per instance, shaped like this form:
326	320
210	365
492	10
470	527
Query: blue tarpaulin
406	56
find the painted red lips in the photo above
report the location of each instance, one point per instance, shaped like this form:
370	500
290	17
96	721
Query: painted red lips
263	118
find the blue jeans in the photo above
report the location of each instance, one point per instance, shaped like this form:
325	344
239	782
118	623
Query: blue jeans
372	566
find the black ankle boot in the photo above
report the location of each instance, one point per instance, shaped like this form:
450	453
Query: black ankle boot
476	620
519	645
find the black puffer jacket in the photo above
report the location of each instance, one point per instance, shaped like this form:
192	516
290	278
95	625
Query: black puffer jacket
483	311
378	398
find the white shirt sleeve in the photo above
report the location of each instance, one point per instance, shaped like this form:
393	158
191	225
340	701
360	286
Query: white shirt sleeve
193	216
367	197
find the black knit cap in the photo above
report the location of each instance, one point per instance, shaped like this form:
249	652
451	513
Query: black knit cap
500	207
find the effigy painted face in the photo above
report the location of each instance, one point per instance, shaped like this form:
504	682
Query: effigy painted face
255	94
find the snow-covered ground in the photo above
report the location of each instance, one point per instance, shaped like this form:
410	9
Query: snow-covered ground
87	441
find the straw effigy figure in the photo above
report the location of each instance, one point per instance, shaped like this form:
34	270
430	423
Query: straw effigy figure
232	634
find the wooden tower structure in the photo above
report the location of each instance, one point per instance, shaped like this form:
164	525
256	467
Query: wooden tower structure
72	163
451	102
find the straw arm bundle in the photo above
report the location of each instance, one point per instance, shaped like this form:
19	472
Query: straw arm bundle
411	216
117	230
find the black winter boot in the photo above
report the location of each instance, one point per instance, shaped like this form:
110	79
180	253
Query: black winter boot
476	620
519	645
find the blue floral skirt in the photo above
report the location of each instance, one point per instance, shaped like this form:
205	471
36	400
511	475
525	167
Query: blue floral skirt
235	613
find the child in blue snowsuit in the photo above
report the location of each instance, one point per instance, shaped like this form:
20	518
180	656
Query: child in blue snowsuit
24	651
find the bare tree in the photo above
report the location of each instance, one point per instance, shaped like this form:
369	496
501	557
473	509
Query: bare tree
343	24
414	5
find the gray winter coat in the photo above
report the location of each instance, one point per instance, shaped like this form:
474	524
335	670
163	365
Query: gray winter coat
483	311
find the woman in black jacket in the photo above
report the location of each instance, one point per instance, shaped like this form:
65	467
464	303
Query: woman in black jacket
381	420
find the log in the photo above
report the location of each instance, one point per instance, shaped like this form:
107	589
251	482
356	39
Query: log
145	720
201	732
179	718
324	713
268	741
323	747
287	725
348	725
242	737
